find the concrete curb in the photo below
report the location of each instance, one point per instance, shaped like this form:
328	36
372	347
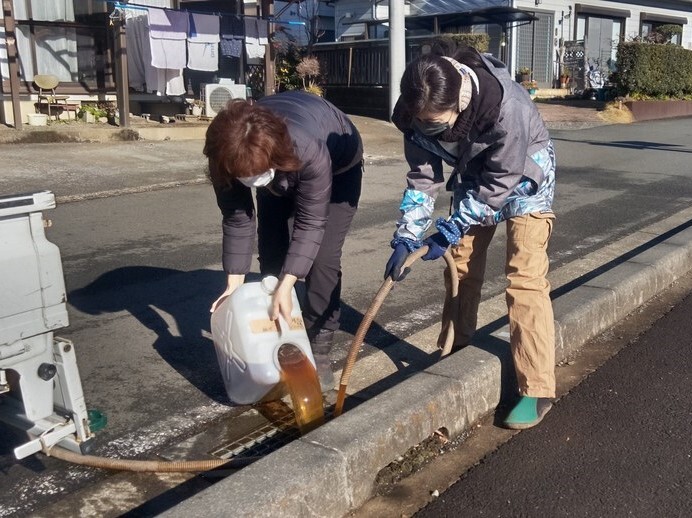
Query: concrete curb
332	469
451	394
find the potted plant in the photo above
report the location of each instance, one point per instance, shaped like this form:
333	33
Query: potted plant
195	107
530	85
564	78
525	74
92	113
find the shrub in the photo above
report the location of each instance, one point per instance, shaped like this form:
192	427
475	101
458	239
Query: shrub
660	71
478	41
287	58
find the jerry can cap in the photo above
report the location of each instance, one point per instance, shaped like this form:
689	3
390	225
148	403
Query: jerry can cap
269	284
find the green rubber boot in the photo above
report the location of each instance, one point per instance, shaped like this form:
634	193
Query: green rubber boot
528	412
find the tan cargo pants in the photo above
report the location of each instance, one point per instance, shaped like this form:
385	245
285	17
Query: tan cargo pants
532	329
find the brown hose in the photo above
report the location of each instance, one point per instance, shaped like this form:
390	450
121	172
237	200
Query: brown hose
206	465
370	314
157	466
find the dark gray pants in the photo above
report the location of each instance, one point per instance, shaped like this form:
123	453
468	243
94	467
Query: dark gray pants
321	304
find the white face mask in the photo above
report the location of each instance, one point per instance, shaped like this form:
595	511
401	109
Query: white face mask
259	180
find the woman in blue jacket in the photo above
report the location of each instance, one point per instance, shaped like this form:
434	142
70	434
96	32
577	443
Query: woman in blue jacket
463	109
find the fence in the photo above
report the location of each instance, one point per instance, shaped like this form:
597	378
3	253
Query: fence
360	63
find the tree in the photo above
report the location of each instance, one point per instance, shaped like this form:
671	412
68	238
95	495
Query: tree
308	12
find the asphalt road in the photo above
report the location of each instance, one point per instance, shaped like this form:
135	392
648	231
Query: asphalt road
142	268
617	445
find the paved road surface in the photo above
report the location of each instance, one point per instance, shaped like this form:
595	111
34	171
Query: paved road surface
620	444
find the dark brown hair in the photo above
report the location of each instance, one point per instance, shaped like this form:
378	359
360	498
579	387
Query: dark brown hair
246	140
430	83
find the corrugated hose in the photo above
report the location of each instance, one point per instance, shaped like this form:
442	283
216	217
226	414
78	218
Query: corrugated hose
453	289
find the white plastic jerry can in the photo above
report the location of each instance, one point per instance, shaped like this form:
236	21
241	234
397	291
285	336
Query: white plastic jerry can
247	341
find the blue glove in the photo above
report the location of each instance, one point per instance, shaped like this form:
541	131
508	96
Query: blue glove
396	261
437	246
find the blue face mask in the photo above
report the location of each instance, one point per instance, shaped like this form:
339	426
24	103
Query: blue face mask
430	129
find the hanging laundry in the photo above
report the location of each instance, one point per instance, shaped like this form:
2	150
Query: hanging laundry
232	27
203	42
167	37
253	48
139	69
232	36
263	31
170	82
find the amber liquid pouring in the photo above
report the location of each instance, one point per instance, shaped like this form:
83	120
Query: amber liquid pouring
301	381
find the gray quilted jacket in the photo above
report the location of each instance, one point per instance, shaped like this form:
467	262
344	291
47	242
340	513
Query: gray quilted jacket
505	171
327	143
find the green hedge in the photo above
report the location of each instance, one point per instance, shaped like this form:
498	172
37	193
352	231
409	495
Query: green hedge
646	69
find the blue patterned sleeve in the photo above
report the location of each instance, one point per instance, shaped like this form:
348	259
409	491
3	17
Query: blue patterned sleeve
416	217
526	197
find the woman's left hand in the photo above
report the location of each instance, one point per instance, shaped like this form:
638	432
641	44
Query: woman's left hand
282	302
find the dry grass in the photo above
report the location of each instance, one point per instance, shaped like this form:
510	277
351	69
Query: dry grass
616	113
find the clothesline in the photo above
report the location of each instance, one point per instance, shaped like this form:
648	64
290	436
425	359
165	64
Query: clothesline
140	7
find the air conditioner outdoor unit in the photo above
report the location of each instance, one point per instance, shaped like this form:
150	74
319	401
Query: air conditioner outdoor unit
216	96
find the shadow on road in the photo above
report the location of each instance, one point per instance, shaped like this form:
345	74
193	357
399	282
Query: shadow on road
147	293
633	144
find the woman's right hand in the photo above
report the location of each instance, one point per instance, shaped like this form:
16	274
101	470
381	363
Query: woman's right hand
234	280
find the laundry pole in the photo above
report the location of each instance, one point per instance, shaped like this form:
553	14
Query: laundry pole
121	77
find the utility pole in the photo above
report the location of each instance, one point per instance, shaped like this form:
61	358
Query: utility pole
11	44
397	50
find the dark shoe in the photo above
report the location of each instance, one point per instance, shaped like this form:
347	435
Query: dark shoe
324	372
528	412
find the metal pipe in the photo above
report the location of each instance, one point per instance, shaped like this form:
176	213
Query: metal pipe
397	50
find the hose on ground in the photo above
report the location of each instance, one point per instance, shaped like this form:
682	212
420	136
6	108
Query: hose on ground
151	466
453	292
194	466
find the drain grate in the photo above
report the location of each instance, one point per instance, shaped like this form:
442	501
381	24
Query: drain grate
280	430
262	441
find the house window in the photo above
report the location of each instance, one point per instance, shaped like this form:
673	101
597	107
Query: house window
650	27
67	39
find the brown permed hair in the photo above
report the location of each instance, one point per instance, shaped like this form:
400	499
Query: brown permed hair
246	140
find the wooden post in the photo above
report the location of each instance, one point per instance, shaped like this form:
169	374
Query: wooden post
350	63
11	44
122	91
267	10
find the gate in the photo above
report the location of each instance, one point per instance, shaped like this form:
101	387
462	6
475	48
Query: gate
535	48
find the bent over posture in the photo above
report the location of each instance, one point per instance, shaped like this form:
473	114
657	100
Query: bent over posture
304	158
464	109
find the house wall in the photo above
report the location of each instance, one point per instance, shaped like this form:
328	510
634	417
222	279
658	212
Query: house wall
298	12
43	22
346	12
567	29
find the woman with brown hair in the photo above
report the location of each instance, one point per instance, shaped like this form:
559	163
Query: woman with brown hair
304	158
462	108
